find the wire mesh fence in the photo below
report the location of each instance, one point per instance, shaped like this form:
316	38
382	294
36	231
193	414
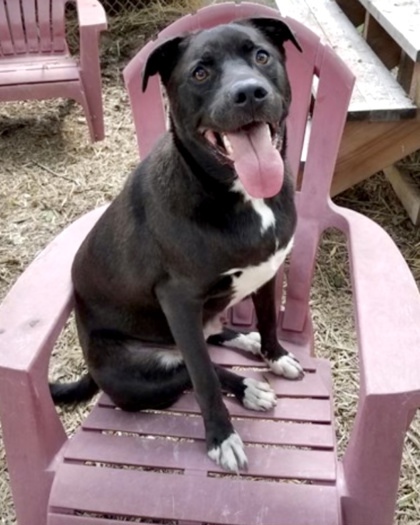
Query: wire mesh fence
130	24
118	7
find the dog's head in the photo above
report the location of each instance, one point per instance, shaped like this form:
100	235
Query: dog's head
229	95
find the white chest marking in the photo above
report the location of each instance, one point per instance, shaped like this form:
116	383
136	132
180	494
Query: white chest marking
260	207
169	358
253	277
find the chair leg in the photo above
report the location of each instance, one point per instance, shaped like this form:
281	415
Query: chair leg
94	113
95	126
32	435
92	84
372	461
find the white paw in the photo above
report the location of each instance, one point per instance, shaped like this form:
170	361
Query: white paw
248	342
258	395
287	366
230	455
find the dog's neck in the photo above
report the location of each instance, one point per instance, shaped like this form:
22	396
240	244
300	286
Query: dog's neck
214	176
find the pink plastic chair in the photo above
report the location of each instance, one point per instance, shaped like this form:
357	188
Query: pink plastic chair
153	465
35	62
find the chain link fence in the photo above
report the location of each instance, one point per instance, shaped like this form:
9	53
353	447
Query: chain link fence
131	23
118	7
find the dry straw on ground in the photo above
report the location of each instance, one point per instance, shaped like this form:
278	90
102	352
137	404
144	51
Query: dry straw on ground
50	174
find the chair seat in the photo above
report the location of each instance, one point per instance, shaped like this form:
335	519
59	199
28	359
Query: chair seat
36	69
147	464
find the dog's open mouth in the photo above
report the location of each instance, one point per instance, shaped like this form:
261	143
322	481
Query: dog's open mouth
254	152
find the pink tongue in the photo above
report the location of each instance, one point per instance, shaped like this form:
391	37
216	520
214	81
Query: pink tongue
257	162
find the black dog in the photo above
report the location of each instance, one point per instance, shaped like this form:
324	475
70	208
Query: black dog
204	221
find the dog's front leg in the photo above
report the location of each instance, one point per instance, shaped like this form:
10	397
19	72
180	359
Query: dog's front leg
279	360
185	319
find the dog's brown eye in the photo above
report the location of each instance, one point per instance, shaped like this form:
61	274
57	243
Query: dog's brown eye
200	74
262	57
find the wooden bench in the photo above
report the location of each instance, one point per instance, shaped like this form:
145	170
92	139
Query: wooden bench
383	123
392	30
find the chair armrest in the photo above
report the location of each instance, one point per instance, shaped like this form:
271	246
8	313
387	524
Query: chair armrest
387	317
31	317
387	310
91	14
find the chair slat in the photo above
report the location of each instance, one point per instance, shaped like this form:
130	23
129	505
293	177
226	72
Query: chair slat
180	497
30	25
232	357
58	25
31	72
68	519
161	453
44	24
15	17
191	427
315	410
6	42
287	409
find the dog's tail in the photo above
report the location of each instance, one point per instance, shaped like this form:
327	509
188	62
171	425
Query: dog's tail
66	393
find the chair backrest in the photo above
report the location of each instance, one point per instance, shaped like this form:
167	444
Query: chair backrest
321	89
32	26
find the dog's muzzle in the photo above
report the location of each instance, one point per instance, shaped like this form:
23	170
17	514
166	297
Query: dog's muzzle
254	153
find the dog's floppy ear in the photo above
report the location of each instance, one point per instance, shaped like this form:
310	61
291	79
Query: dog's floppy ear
275	30
162	60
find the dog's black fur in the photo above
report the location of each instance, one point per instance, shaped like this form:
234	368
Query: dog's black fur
152	272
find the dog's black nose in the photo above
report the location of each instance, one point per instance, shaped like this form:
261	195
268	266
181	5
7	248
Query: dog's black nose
248	91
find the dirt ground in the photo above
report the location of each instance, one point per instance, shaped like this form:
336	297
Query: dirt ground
50	174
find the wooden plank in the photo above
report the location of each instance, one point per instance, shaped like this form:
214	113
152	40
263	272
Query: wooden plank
384	46
415	84
401	20
191	427
227	500
405	71
407	191
409	77
353	10
377	95
161	453
367	148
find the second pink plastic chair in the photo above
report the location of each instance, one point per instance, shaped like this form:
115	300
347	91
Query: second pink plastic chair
35	62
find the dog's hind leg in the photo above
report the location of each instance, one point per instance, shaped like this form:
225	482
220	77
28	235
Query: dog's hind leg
133	375
253	394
